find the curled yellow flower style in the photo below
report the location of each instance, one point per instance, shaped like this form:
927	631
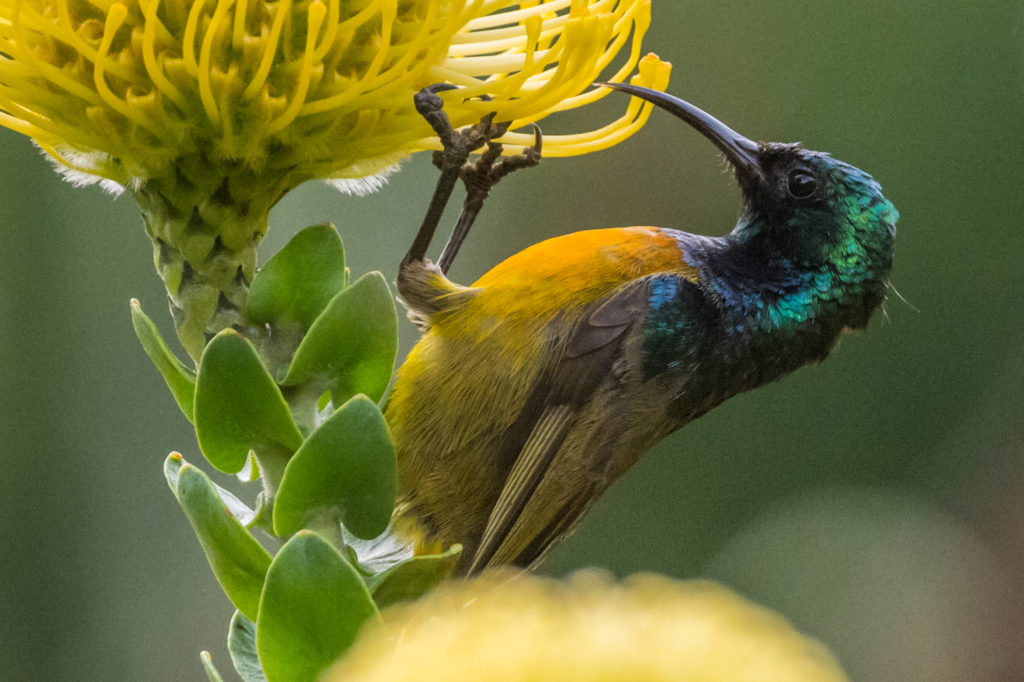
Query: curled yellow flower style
646	629
133	90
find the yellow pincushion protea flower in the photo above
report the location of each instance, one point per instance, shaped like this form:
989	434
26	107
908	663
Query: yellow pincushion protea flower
294	88
208	111
647	629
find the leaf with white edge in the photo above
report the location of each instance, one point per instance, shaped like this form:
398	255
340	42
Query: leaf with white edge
250	470
377	555
240	510
297	283
345	470
242	647
313	605
211	671
351	346
238	406
237	559
412	579
178	378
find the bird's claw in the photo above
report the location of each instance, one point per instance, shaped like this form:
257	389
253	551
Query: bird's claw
457	144
489	169
538	140
452	160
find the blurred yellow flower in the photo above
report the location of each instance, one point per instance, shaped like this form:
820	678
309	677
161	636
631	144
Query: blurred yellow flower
646	629
133	90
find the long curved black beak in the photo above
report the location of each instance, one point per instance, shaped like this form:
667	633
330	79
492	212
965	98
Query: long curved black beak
741	151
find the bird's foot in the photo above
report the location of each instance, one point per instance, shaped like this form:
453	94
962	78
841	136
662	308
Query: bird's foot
457	144
453	161
491	167
479	178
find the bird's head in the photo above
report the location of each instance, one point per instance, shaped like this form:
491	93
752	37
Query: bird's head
812	210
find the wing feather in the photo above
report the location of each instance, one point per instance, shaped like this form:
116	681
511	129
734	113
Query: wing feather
585	361
526	474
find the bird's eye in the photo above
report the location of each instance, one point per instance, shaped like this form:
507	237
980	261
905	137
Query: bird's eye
801	184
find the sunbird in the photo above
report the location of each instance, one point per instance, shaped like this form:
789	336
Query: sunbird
537	386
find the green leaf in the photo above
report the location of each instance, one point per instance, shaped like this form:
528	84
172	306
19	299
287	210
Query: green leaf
345	470
238	561
413	578
312	607
299	281
178	378
172	469
238	405
211	671
242	647
351	347
240	510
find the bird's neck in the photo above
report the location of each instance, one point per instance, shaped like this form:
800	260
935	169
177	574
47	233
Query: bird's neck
775	315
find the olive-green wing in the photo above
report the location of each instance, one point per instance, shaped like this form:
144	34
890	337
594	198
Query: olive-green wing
585	361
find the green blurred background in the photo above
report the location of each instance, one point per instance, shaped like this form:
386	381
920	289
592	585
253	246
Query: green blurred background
876	500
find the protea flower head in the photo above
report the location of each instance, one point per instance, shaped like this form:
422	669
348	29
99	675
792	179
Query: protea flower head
137	90
208	111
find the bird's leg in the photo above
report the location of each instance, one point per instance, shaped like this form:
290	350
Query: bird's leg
422	284
479	178
423	287
457	146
